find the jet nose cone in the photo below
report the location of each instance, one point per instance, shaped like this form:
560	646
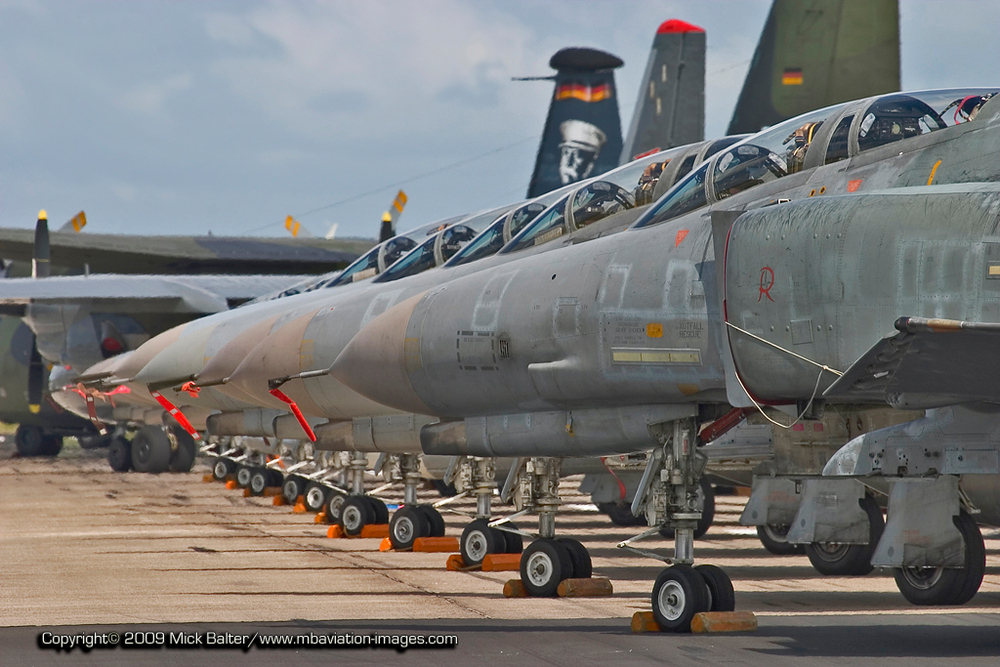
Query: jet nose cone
376	363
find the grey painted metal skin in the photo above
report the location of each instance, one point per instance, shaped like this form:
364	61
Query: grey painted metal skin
632	319
343	312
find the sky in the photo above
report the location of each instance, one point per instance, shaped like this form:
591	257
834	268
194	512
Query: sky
223	117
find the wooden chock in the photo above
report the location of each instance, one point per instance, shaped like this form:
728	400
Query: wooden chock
644	621
724	621
515	589
436	545
231	484
278	501
386	545
502	563
271	491
320	516
375	531
592	587
335	531
208	478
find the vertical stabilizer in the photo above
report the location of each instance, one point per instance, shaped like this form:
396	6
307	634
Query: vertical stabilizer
670	110
583	134
814	53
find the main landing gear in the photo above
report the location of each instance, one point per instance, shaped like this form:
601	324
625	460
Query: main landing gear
153	449
412	520
668	495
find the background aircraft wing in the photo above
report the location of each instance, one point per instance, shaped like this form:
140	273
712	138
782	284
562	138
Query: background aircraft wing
929	363
122	293
107	253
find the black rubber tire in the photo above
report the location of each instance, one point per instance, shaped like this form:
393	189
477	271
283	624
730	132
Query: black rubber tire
478	540
52	444
355	514
679	593
620	514
434	520
258	481
30	440
243	473
120	454
515	542
316	496
275	478
583	567
222	468
293	487
721	596
151	451
707	512
379	511
947	586
544	564
183	457
407	524
774	539
851	560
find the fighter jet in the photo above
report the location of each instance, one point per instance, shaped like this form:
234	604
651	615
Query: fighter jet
625	343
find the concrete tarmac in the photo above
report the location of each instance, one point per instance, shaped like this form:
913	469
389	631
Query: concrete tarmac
84	550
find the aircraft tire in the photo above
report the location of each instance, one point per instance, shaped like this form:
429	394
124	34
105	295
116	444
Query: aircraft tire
947	586
583	567
258	481
478	540
721	596
275	477
355	514
434	520
293	487
775	540
120	454
334	504
29	440
151	450
183	458
850	559
407	524
243	473
515	542
379	511
679	593
316	496
544	564
51	444
222	468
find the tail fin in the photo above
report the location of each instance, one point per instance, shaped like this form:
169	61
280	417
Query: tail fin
670	110
814	53
583	134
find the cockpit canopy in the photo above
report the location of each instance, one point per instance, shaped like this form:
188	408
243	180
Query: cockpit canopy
792	146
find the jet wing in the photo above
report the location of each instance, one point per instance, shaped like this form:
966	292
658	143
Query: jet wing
121	253
929	363
115	292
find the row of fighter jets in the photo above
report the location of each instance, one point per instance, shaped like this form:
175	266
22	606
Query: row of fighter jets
654	308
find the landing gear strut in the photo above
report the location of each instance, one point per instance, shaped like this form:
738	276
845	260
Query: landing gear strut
412	520
668	495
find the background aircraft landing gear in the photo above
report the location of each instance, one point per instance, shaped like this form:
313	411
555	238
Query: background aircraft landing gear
34	441
775	540
548	560
947	586
668	496
479	539
411	520
120	453
849	559
151	450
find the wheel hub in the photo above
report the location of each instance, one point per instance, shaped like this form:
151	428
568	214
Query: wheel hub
672	600
352	518
540	569
404	530
923	578
476	545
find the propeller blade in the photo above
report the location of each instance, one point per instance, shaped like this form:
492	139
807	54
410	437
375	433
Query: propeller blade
41	253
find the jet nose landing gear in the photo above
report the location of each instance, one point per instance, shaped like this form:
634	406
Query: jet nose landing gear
668	496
